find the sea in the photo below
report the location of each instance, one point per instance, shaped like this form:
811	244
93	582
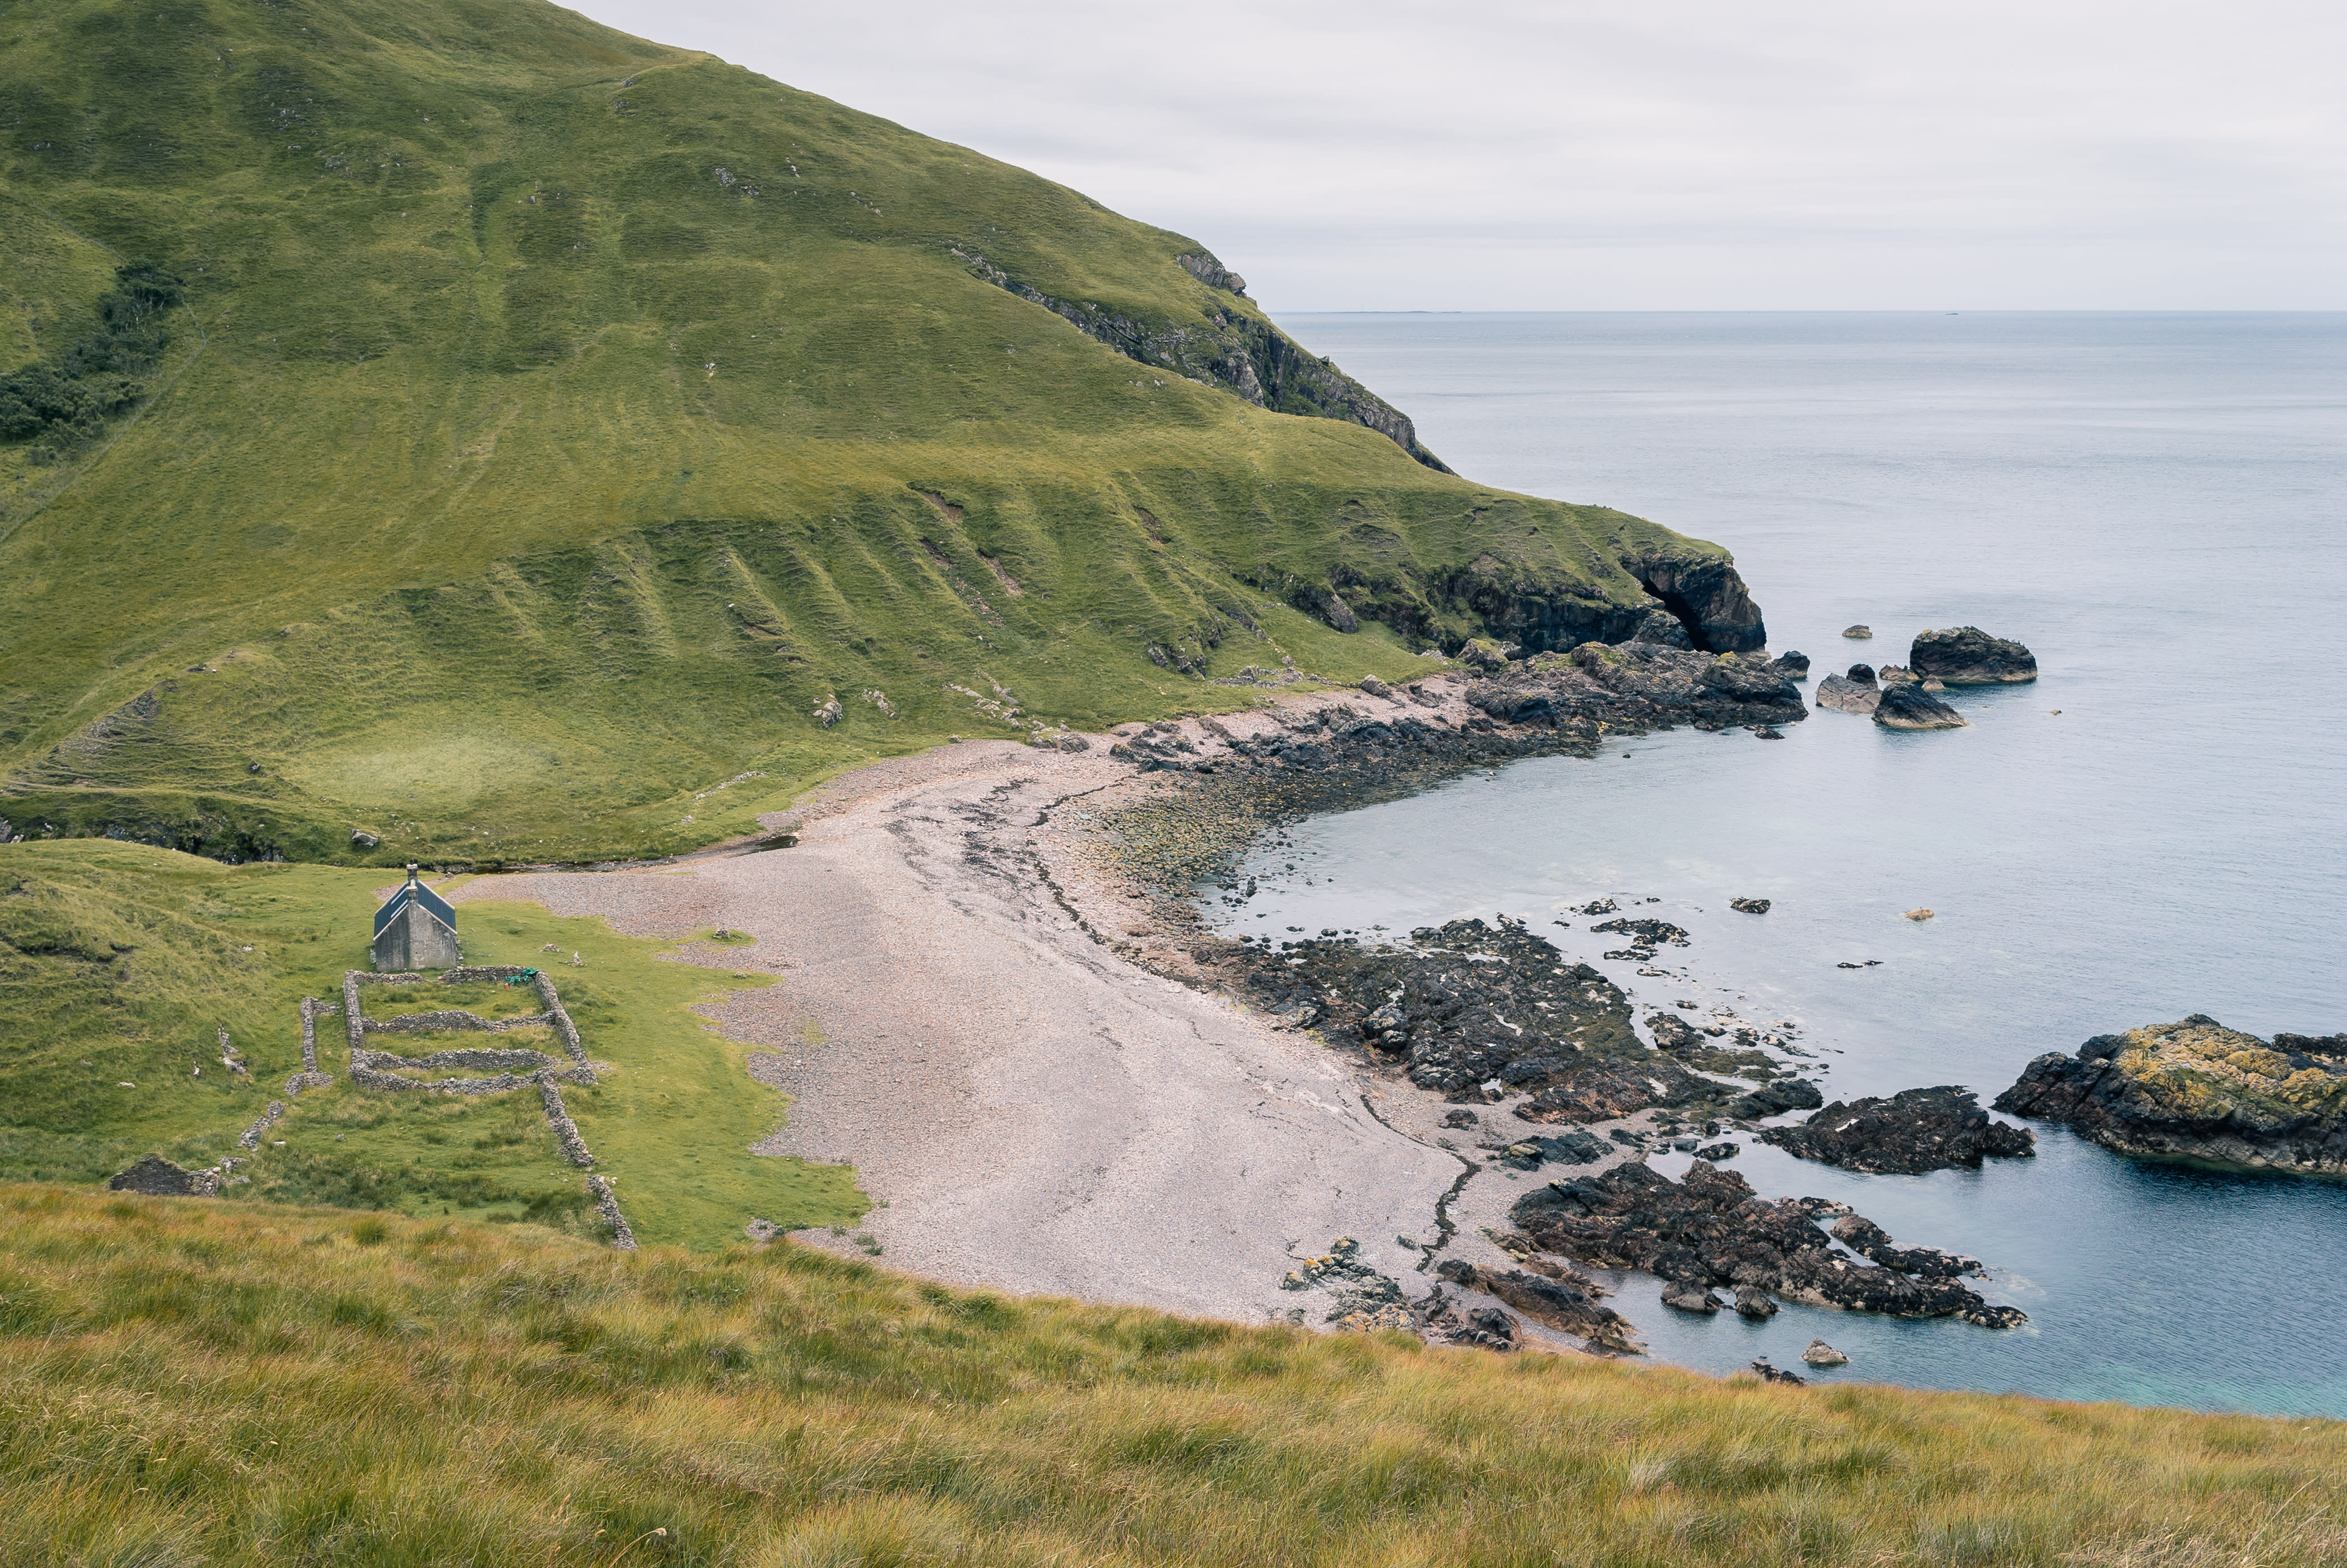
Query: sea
2157	505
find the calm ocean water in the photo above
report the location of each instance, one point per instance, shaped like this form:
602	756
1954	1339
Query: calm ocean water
2153	503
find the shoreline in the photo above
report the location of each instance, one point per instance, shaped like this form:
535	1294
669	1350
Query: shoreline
1000	1005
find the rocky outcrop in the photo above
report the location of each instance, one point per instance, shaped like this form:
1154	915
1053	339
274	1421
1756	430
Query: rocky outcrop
1793	666
2197	1091
1641	683
1749	906
1910	707
1967	656
1707	597
1564	1301
1712	1231
1820	1354
1224	346
1663	629
1854	692
1858	633
159	1177
1459	1006
1913	1131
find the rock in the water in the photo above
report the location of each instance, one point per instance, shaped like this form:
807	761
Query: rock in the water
1795	666
2199	1091
1717	1152
1769	1374
1685	1298
1913	1131
1749	906
1855	693
159	1177
1754	1304
1639	682
1857	631
1775	1099
1713	1230
1919	914
1967	656
1872	1242
1898	675
1910	707
1820	1354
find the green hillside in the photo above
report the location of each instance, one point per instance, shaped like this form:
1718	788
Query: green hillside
549	423
121	965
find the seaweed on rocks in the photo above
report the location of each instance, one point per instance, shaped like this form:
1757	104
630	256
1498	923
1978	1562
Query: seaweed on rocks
1913	1131
1461	1005
1712	1230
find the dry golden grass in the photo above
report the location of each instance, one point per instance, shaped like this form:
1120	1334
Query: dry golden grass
192	1383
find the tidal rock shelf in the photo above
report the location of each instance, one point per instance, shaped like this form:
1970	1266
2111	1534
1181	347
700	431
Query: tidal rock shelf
1911	1132
1712	1232
2199	1091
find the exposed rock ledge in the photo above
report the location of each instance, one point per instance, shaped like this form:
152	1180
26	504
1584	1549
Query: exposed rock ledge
2199	1091
1913	1131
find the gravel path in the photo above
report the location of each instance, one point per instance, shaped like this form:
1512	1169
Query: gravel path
1039	1114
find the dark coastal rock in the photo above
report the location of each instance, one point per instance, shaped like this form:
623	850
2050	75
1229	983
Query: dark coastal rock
1674	1033
1688	1297
1749	906
1849	694
1571	1149
1775	1099
1754	1304
2197	1091
1460	1117
1820	1354
1898	675
1715	1152
159	1177
1661	629
1858	632
1712	1230
1649	933
1605	1091
1476	1003
1792	666
1872	1242
1910	707
1642	685
1967	656
1913	1131
1708	597
1562	1300
1772	1374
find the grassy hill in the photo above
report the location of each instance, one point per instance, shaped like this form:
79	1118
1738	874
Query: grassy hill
549	423
120	964
190	1384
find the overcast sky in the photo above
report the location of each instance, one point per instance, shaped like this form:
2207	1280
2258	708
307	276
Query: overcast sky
1670	154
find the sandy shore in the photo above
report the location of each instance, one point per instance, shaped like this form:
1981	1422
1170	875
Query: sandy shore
958	1019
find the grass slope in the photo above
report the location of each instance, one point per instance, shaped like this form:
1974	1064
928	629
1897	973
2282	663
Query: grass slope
120	963
556	420
190	1383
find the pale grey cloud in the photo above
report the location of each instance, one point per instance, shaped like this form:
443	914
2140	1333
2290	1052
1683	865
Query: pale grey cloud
1704	154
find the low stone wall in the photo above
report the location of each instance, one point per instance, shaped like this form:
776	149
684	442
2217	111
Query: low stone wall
251	1139
471	974
566	1131
429	1022
606	1207
566	1031
301	1080
481	1056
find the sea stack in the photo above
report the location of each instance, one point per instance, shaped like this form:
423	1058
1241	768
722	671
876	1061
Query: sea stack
1967	656
1855	693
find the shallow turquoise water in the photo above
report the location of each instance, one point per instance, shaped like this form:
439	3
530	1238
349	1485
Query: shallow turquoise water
2154	505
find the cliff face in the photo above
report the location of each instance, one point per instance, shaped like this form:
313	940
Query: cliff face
1227	346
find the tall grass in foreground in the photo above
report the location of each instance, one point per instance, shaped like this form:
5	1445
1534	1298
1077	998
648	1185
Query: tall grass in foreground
185	1383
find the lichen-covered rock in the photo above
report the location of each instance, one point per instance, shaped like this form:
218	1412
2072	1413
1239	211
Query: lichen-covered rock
1967	656
1913	1131
2197	1091
1907	706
